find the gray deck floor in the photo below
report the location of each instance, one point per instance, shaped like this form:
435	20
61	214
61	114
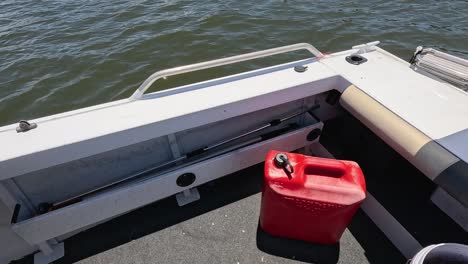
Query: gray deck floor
222	227
225	235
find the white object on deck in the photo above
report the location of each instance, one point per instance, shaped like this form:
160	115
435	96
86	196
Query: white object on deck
421	255
367	47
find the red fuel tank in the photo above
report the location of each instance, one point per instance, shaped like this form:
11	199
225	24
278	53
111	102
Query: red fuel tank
311	199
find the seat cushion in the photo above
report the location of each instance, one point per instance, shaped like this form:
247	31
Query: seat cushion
438	164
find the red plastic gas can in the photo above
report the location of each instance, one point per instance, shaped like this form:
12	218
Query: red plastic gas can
315	202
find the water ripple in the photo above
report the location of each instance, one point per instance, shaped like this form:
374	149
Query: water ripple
62	55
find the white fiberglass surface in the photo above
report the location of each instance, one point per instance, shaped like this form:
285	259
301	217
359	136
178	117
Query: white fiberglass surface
61	139
435	108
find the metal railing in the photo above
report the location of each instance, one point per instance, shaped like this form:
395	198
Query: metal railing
220	62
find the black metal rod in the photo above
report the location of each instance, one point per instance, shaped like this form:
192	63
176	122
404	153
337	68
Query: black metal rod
189	155
272	123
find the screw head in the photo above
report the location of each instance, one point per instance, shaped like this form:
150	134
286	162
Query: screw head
300	68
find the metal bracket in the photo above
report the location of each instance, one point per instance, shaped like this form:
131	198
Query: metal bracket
187	196
364	48
174	146
49	253
24	126
418	51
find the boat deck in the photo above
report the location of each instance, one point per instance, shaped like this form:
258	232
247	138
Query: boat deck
222	227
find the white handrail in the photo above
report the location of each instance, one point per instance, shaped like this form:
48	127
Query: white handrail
219	62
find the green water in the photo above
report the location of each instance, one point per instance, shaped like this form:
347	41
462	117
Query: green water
62	55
